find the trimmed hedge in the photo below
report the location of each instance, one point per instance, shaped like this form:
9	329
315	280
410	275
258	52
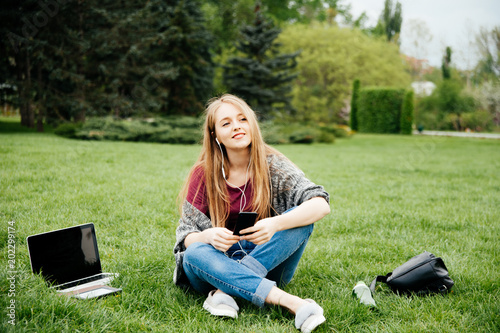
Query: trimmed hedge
379	110
354	105
406	120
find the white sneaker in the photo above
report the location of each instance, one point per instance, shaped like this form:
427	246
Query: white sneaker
221	304
309	316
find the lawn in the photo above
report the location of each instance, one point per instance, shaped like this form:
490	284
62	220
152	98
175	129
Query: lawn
392	197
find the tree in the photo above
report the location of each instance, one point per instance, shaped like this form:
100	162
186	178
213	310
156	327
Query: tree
306	11
331	59
156	59
151	58
488	95
63	88
416	39
451	100
72	59
445	65
449	91
389	23
54	37
190	52
261	75
488	44
224	18
18	30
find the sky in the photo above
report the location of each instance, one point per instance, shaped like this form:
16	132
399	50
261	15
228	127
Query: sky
453	23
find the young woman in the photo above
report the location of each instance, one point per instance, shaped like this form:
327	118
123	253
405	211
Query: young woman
237	172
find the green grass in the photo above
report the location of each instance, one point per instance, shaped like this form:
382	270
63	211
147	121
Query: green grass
392	197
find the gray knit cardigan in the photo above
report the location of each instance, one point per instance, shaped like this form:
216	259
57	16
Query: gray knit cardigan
289	188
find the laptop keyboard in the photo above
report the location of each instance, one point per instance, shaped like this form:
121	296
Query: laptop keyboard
82	281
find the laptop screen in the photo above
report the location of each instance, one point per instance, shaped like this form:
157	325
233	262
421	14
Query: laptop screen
65	255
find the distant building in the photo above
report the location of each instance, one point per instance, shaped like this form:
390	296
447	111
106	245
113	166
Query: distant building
423	88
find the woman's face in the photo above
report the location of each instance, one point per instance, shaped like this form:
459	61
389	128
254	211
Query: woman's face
232	128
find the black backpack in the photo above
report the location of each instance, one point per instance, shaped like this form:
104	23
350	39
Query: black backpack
421	274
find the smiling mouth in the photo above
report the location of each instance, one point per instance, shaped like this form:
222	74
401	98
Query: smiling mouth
239	135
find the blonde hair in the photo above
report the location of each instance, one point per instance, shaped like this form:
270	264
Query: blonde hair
211	159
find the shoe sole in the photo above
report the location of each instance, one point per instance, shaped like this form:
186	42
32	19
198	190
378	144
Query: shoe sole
311	323
222	310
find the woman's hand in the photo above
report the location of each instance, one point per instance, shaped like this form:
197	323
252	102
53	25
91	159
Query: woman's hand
263	231
220	238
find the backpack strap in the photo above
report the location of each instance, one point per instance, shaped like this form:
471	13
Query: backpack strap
379	278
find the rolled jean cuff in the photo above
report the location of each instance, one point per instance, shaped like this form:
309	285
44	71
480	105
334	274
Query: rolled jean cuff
254	265
264	288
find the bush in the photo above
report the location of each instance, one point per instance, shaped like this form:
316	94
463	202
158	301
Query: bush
429	120
178	135
165	130
68	130
445	108
275	138
379	110
115	130
183	122
427	113
304	135
478	121
342	131
299	133
337	131
326	137
187	130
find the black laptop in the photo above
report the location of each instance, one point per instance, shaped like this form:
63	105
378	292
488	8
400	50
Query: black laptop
69	261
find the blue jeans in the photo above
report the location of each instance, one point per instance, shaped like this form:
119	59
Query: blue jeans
249	271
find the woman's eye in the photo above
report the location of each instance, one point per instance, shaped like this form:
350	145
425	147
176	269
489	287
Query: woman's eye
243	119
225	124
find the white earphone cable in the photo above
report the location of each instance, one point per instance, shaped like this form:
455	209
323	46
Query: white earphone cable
243	196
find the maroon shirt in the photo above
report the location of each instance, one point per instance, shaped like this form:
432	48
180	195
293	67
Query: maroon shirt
235	196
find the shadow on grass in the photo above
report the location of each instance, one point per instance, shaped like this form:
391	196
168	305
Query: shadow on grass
9	125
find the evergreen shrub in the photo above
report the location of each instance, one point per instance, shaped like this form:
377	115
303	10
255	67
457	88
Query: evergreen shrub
326	137
379	110
304	135
330	132
187	130
177	135
299	133
184	130
273	134
68	130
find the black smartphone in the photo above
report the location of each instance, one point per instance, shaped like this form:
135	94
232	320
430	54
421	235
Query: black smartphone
245	220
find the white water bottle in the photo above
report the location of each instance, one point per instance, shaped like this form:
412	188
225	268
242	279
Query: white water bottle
363	293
